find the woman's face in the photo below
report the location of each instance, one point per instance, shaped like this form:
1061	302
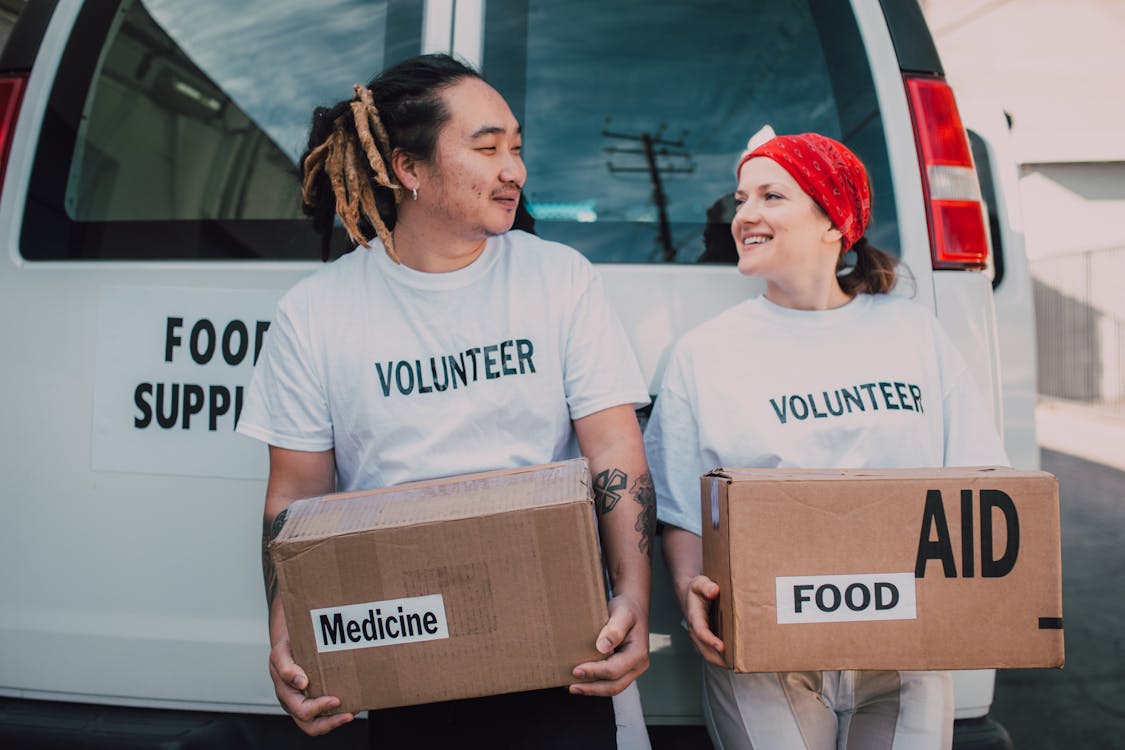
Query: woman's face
780	232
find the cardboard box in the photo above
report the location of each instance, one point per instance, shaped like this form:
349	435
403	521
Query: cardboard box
496	580
884	569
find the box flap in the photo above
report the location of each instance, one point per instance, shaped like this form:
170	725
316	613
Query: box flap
800	474
468	496
391	613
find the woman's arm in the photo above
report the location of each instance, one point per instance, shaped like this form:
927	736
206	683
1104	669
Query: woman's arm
683	553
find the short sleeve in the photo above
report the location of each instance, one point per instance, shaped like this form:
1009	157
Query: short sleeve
286	403
601	369
674	456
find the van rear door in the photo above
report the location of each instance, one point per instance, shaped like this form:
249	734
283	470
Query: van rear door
150	216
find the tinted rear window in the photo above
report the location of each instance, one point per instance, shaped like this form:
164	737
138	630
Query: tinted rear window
174	128
635	112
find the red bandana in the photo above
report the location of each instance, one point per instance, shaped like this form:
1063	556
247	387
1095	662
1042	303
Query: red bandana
829	172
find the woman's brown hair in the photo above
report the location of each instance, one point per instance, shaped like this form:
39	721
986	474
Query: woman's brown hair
874	272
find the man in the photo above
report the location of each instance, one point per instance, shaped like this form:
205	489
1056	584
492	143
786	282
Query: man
514	358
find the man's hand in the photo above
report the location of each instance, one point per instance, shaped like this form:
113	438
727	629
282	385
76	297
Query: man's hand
625	638
310	714
695	601
293	475
626	507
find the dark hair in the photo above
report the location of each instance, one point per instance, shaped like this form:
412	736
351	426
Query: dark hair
346	167
874	271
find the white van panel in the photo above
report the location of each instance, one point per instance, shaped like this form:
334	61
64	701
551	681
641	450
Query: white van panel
899	132
111	584
437	26
658	304
468	31
109	611
970	320
1015	307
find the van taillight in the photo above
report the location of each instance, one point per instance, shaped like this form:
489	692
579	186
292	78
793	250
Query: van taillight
11	94
958	232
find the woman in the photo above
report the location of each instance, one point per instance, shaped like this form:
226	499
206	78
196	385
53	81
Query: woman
804	203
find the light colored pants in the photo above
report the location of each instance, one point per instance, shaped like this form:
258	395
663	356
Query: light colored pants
631	731
828	710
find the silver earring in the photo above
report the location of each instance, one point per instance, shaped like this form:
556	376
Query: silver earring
415	193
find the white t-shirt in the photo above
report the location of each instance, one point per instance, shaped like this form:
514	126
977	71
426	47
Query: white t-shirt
876	383
412	375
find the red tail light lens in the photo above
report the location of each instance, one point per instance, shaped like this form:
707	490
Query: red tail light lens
956	216
11	95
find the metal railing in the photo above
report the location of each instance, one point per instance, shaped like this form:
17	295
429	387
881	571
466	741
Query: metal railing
1080	323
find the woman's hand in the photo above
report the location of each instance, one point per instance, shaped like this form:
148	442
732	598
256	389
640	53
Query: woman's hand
695	601
683	552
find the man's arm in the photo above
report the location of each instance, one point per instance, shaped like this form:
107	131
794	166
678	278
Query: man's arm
294	475
626	506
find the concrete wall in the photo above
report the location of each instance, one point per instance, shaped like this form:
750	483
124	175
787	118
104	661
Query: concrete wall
1057	70
1072	208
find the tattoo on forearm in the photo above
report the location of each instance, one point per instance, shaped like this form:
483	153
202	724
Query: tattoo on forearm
608	486
270	530
645	494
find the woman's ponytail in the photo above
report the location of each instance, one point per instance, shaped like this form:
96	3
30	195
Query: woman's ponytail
874	271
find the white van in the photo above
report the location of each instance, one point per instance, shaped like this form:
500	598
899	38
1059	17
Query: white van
149	215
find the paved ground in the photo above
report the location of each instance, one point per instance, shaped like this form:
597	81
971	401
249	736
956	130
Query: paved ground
1083	705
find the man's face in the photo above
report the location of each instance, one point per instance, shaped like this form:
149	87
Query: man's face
472	186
